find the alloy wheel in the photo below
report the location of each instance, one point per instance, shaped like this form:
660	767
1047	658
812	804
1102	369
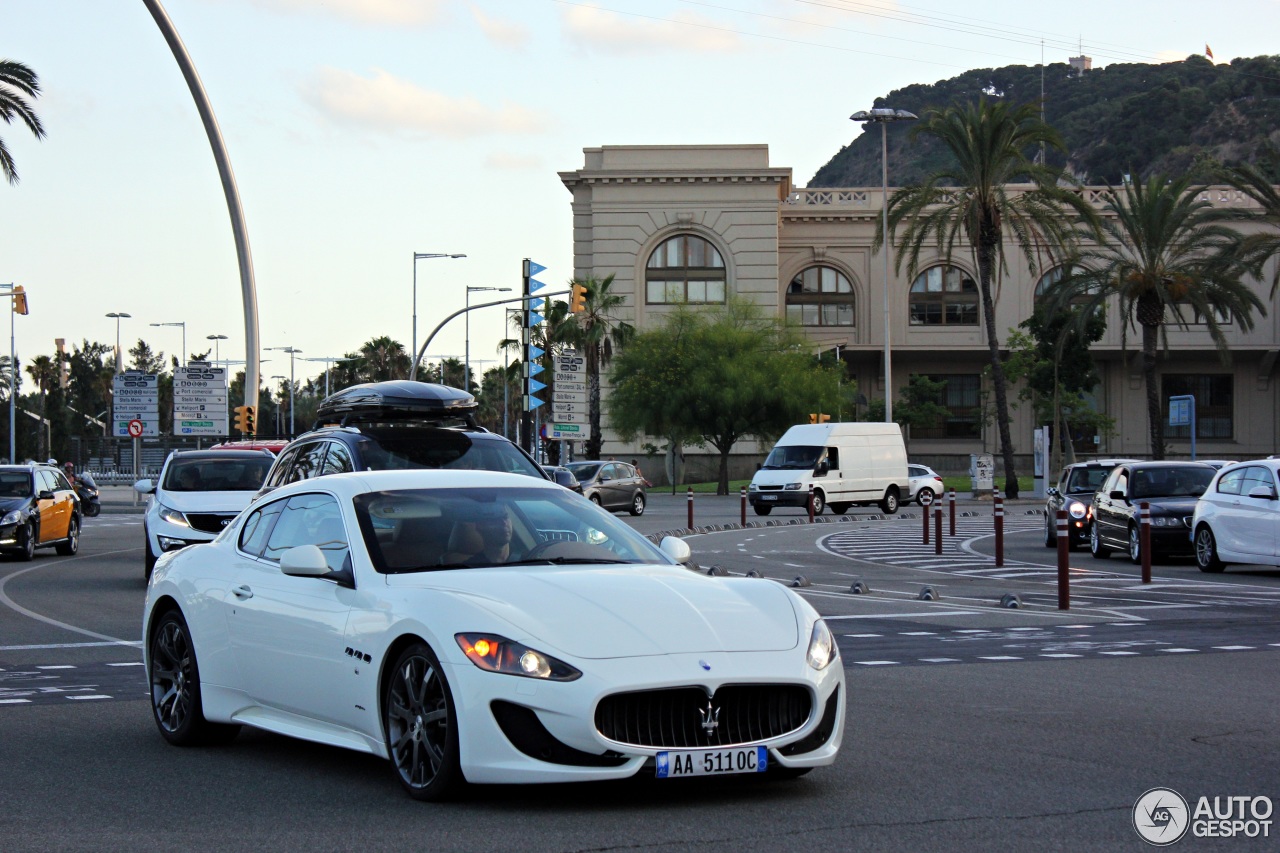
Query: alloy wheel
418	723
173	675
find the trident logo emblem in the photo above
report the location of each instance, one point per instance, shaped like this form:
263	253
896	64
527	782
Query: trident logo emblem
710	719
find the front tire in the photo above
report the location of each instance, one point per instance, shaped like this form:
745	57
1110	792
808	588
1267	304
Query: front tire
174	675
890	502
819	502
637	504
1207	551
419	723
595	499
1096	548
69	548
1050	531
28	546
761	509
1135	544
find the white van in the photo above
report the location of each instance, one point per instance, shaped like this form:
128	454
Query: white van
847	464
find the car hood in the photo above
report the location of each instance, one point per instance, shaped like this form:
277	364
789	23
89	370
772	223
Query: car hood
223	502
8	505
626	611
1180	505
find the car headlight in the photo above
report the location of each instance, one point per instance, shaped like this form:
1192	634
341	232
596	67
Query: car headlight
1077	509
173	516
498	654
751	487
822	646
792	486
12	518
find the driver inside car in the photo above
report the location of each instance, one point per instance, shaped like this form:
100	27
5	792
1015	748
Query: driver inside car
486	540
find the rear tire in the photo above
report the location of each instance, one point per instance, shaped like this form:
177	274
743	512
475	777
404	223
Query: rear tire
890	502
1207	551
637	504
69	548
840	508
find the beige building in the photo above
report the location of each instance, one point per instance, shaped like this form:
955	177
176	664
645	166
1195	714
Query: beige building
675	223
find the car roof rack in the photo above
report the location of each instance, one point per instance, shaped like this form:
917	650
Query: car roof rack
396	399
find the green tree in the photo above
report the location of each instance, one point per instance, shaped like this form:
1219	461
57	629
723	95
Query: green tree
1164	250
91	372
382	359
144	359
43	370
17	81
597	333
972	204
1258	248
719	375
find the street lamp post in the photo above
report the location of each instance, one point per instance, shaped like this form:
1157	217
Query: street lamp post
281	378
882	116
118	316
329	361
506	380
466	359
292	352
217	352
183	355
422	256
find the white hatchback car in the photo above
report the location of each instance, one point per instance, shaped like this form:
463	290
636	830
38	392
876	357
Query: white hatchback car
923	477
1238	516
197	494
473	626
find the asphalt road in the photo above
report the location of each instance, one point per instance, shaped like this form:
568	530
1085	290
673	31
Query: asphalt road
971	727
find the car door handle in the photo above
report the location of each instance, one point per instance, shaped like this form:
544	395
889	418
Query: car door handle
242	592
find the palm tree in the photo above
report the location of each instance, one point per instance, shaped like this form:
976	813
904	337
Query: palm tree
17	80
1264	245
382	358
596	333
971	203
1162	248
43	370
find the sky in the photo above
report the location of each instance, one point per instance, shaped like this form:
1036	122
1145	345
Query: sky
364	131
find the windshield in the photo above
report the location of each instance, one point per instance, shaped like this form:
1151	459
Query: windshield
422	530
416	447
1169	482
793	457
1087	479
15	484
216	475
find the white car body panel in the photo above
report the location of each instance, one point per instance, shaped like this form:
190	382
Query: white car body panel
1245	529
304	656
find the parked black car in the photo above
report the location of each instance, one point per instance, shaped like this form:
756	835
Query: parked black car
612	485
1076	486
382	426
1171	488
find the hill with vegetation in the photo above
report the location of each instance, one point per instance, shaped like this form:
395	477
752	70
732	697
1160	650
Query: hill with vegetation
1130	119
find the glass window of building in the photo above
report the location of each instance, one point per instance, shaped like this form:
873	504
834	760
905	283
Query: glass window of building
1215	396
820	296
685	268
944	296
962	398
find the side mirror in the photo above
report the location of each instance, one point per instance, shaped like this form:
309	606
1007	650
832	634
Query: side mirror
305	561
565	478
144	487
45	495
1263	492
676	549
1116	495
1051	492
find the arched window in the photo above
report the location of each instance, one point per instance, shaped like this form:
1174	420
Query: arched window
1047	280
944	296
685	268
820	296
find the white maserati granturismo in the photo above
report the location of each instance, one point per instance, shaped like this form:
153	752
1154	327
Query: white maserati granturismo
479	627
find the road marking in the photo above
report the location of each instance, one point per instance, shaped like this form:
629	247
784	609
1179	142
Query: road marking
1233	648
1059	655
860	636
130	663
940	660
998	657
15	701
1177	651
917	633
58	666
876	662
1118	654
71	646
94	696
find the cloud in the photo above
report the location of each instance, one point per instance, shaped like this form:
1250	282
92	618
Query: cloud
591	27
387	103
501	32
399	13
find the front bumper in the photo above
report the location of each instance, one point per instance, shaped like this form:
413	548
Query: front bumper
795	497
565	712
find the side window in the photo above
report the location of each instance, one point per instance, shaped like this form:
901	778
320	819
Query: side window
338	460
1254	477
833	458
310	520
47	481
1120	481
279	475
1230	482
258	526
310	462
1064	481
60	481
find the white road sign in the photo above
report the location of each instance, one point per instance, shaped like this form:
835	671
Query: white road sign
561	396
562	431
135	398
200	400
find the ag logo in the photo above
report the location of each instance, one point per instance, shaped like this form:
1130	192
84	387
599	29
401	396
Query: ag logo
1161	816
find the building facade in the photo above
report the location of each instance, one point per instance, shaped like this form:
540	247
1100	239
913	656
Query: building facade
695	223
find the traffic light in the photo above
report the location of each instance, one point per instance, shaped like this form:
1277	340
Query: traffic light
578	298
818	418
247	419
19	300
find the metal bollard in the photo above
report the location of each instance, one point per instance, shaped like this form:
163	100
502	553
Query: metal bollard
1064	557
690	525
999	517
809	501
952	499
937	529
1144	516
744	506
925	515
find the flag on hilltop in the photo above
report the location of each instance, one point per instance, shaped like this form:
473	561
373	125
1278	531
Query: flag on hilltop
1207	51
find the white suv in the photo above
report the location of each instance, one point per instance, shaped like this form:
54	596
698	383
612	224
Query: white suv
197	494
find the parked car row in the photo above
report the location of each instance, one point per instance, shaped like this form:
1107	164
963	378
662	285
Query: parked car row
1221	512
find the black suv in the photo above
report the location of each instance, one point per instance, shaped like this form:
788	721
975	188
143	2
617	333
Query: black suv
1074	493
383	426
